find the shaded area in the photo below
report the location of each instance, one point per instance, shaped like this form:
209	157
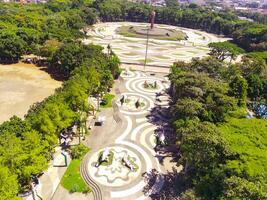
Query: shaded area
174	185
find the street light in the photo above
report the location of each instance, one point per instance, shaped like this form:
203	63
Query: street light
152	21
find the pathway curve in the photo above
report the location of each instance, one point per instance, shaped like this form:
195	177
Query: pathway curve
160	52
135	137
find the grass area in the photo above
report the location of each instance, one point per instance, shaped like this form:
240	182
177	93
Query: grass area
162	57
130	54
131	160
109	160
137	32
72	180
107	101
248	139
147	61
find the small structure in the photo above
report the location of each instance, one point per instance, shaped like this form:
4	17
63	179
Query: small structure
162	139
155	84
146	84
100	120
127	163
152	19
64	137
103	157
126	73
137	103
122	100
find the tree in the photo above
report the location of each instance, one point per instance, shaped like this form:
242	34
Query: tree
73	54
239	88
172	3
49	48
15	125
67	57
202	147
255	86
203	150
188	108
12	47
90	15
240	188
8	184
224	50
31	36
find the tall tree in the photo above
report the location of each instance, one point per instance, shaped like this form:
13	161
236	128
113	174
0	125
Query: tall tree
224	50
12	47
239	88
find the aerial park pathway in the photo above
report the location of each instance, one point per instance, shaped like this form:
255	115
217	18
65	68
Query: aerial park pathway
131	133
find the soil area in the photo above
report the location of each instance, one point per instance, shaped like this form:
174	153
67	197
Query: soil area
21	85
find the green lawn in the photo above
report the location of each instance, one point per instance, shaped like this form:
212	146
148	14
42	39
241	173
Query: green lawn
72	180
107	101
109	160
135	31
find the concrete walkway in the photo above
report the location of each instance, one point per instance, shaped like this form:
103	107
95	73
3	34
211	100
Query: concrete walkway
131	130
50	180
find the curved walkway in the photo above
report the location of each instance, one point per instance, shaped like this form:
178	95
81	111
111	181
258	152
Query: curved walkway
160	52
135	136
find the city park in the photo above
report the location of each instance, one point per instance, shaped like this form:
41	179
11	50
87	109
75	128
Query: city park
140	138
170	125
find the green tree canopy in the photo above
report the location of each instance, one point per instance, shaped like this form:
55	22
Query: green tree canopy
224	50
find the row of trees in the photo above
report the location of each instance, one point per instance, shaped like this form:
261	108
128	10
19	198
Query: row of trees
49	30
249	35
209	108
27	145
26	29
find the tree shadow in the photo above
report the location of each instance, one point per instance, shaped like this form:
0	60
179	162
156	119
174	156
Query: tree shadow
161	117
170	186
55	74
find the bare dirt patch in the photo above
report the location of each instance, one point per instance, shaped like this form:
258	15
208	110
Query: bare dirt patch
21	85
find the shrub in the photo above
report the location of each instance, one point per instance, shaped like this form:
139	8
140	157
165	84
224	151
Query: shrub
79	151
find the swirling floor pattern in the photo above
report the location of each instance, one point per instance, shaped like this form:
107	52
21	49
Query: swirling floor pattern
132	50
138	138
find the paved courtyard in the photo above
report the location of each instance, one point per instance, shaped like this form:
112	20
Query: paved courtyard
130	131
160	52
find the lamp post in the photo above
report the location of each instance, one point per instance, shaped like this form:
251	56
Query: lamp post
152	21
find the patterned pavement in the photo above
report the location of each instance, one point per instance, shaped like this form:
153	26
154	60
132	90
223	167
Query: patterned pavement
136	139
160	52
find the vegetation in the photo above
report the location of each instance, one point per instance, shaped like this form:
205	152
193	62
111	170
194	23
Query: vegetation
250	36
206	94
224	50
50	30
72	180
223	152
107	101
78	152
160	34
109	159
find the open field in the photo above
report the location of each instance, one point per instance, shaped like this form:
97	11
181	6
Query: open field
21	85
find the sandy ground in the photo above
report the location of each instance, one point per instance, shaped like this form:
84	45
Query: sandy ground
21	85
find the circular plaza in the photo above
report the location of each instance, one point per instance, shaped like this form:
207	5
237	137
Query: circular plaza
166	44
